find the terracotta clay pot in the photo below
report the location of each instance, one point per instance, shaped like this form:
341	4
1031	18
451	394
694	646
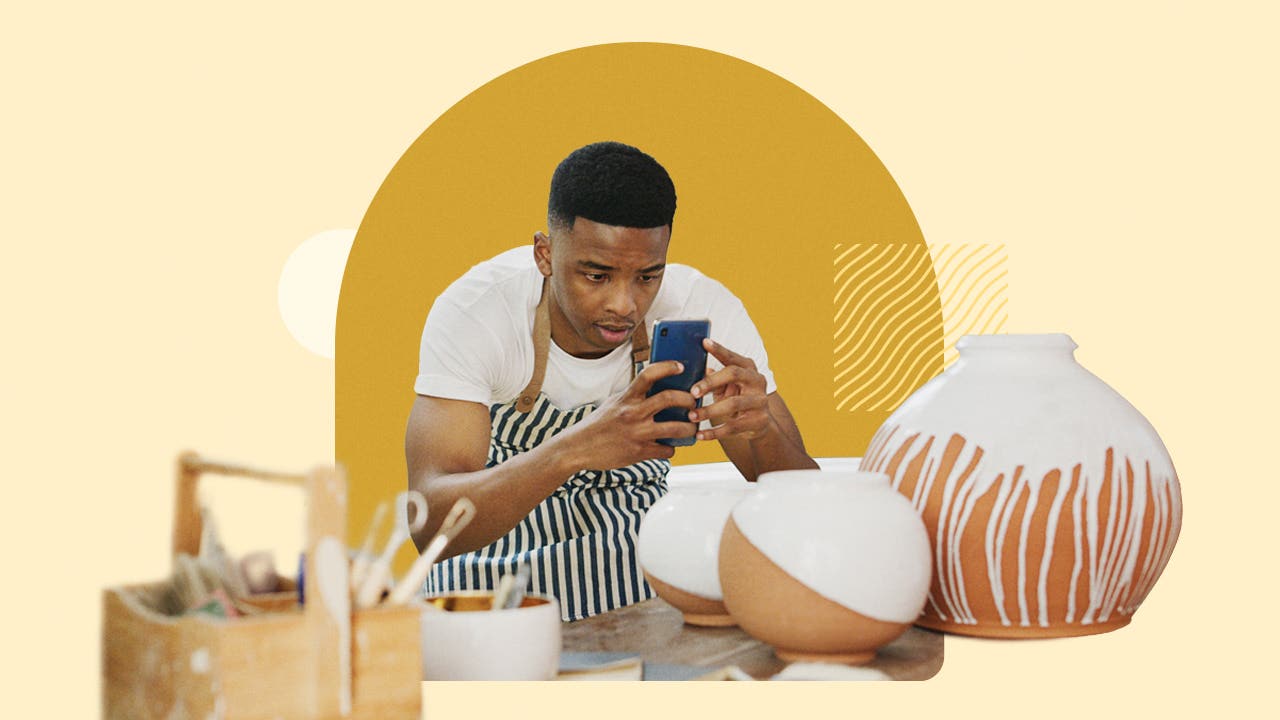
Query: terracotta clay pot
824	566
679	548
1051	504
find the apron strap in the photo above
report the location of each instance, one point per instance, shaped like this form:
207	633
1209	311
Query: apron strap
639	349
542	346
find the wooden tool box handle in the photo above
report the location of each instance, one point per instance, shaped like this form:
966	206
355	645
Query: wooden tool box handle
328	608
188	525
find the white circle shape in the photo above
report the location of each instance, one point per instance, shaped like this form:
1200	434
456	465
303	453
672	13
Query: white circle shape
308	290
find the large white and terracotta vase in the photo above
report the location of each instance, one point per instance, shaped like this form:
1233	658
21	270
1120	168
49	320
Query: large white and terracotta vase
1051	504
825	566
678	548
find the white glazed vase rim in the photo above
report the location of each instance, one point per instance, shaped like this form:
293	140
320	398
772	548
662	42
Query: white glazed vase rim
1017	341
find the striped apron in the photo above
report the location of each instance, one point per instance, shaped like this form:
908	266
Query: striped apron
580	542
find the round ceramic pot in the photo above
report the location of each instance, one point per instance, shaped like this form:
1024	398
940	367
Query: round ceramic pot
679	548
1051	504
825	566
463	638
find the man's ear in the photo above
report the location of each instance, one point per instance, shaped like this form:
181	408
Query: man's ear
542	252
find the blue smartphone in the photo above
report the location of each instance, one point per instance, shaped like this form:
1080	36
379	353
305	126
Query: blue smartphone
679	340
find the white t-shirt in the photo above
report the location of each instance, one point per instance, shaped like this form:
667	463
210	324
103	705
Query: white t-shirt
477	343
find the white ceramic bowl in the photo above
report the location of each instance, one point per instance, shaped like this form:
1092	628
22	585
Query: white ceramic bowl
679	548
682	476
468	641
825	564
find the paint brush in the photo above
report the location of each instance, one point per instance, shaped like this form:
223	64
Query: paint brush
360	566
459	517
376	581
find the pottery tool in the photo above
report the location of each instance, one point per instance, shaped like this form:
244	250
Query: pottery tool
375	581
459	517
522	582
360	566
510	592
259	572
197	588
500	593
188	582
213	555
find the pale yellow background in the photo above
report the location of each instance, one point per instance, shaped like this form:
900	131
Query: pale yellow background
159	164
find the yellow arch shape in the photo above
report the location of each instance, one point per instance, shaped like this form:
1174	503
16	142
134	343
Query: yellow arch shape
769	181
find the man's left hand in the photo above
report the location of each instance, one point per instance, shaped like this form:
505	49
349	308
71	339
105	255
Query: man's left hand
741	408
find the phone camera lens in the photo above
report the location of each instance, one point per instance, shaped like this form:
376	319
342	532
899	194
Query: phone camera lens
664	332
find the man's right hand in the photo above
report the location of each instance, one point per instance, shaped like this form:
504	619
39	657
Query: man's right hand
447	443
622	430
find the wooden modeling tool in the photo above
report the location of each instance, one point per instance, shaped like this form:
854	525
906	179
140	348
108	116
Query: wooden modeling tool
459	517
376	581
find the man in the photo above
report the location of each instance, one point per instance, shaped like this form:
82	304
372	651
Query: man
531	397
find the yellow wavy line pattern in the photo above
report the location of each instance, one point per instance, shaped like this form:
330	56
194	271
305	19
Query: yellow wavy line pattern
886	324
974	287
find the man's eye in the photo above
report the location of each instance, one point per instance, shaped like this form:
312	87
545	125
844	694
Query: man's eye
649	278
596	277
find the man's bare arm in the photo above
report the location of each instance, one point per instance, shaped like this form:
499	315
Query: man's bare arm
446	447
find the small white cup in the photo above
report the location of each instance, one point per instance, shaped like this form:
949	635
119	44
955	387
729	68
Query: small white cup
462	639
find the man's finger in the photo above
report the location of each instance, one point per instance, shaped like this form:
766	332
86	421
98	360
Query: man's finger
672	430
725	355
652	374
718	432
722	377
666	399
722	410
740	426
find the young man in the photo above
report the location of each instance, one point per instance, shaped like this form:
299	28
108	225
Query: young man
531	390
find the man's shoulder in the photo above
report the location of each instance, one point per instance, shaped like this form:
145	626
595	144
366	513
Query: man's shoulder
685	284
508	278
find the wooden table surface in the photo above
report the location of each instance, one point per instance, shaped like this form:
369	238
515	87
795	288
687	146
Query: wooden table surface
657	632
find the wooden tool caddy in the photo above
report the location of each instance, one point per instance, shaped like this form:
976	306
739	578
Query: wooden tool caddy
323	660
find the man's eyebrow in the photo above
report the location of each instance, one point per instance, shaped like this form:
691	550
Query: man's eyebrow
592	265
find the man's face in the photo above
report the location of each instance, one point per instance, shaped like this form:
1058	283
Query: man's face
603	280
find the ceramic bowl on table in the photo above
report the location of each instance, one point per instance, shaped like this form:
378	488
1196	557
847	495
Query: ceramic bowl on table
463	639
679	548
825	565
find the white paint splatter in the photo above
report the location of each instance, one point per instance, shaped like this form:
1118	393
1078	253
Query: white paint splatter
200	662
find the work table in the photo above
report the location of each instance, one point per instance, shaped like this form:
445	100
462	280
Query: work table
657	632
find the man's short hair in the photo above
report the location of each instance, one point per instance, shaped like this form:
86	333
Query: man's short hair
612	184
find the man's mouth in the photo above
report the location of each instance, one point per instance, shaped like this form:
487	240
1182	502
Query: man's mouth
614	334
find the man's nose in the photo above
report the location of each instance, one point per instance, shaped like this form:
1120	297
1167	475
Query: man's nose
621	300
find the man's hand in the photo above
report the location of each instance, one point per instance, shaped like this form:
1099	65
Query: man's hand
622	431
741	408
